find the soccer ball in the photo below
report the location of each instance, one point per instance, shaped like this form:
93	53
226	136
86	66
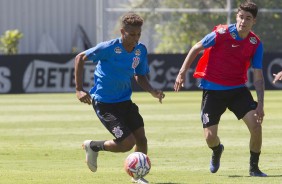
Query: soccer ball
137	165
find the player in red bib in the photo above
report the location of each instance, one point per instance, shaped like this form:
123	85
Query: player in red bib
229	51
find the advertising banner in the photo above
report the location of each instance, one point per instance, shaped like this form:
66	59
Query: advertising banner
55	73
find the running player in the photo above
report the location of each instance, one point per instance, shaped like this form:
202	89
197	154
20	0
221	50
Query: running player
229	50
118	61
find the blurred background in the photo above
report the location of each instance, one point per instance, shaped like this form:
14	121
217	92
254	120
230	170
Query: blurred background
68	26
39	39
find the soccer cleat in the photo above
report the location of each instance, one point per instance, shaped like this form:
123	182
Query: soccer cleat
215	160
91	156
256	172
139	180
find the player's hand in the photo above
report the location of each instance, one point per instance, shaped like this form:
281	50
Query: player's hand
259	113
83	97
158	94
277	77
179	82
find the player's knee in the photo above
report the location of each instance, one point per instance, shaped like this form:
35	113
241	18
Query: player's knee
256	130
210	137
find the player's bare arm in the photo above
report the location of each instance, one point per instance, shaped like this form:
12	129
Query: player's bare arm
82	95
277	77
180	79
142	81
259	87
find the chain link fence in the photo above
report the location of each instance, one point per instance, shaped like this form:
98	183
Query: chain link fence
201	17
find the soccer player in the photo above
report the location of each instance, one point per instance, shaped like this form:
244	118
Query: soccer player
229	50
277	77
118	61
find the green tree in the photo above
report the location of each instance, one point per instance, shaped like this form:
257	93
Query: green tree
9	41
177	32
182	30
269	26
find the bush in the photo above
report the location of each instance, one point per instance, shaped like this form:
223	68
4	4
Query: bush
9	41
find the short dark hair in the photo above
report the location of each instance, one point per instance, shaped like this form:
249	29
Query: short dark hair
131	19
249	6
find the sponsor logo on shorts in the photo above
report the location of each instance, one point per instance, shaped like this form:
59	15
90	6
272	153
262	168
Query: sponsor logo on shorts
108	117
118	132
205	118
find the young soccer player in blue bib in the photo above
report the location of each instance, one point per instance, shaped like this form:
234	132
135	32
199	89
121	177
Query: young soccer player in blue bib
118	61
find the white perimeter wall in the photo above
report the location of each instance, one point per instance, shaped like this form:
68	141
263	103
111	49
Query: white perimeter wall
57	18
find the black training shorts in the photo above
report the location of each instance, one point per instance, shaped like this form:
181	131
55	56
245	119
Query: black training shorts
215	102
121	119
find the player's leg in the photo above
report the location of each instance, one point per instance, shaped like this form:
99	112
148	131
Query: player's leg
111	115
244	107
255	130
213	142
213	106
120	145
135	123
141	140
93	147
211	136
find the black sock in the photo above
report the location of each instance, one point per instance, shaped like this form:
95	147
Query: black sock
254	159
216	148
97	145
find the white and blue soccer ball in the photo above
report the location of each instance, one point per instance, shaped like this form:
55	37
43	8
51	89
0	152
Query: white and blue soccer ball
137	165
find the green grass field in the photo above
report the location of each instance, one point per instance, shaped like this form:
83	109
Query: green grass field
41	137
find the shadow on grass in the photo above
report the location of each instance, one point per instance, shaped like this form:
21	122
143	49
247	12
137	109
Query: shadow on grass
275	176
238	176
269	176
169	183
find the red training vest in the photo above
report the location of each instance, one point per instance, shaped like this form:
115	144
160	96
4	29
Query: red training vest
226	63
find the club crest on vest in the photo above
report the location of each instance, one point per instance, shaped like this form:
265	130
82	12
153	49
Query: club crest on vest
253	40
138	52
221	30
135	62
118	50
